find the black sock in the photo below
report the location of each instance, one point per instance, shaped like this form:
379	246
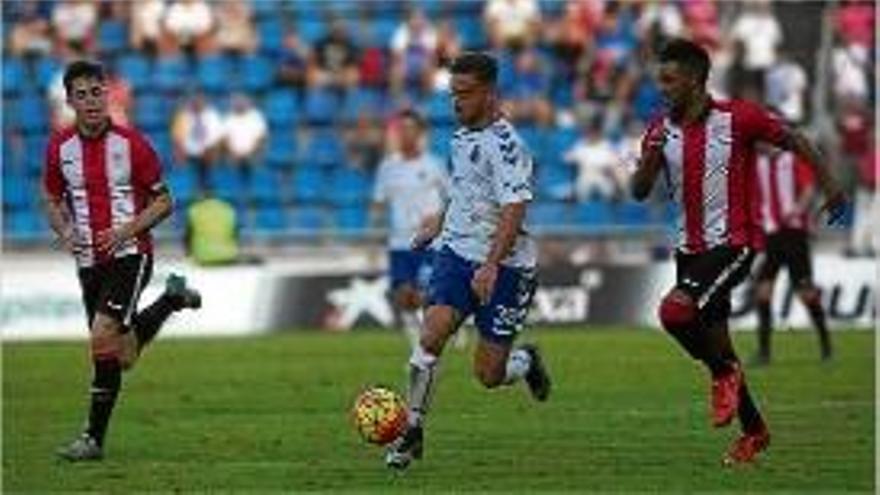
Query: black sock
689	341
750	419
147	323
765	328
105	388
817	315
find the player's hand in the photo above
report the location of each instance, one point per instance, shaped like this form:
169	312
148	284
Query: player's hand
483	282
836	204
66	240
428	230
108	240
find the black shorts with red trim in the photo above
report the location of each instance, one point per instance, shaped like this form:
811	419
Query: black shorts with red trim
710	276
788	248
114	287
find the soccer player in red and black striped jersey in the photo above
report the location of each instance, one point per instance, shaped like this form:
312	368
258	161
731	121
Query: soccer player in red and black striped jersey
705	149
103	192
787	191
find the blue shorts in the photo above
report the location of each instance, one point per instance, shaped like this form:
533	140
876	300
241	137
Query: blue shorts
503	317
410	266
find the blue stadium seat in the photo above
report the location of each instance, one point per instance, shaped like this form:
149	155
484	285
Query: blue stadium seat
309	219
152	112
171	74
112	36
308	186
323	150
271	32
438	109
183	184
359	101
265	186
281	149
631	213
470	29
349	187
45	71
34	153
18	193
554	182
136	68
164	146
594	214
270	218
225	182
14	76
310	29
548	214
27	224
351	220
321	106
281	107
439	138
214	73
257	73
33	113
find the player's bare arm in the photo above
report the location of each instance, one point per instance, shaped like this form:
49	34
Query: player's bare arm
835	198
159	207
649	165
59	219
509	226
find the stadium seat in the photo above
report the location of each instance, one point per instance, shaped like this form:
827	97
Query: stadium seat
14	76
171	74
45	71
307	220
33	113
351	220
225	182
554	182
264	186
349	187
321	106
281	149
271	31
183	184
164	146
310	29
34	151
438	109
112	36
214	73
281	107
152	112
631	213
136	69
270	218
17	191
308	186
593	214
323	150
548	214
257	73
362	101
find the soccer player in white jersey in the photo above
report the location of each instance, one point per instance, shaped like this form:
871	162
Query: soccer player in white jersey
485	265
412	183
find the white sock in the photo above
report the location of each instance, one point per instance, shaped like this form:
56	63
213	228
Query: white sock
412	327
422	377
518	364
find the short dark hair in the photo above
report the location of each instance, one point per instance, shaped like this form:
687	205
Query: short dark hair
688	54
411	113
480	64
83	68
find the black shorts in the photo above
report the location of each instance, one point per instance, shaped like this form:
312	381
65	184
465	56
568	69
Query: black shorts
710	276
788	248
113	288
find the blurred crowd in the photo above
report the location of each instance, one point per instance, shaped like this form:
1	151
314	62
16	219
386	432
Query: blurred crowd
308	87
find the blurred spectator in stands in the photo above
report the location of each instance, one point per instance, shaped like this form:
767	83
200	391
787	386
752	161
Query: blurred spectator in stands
851	64
739	80
597	164
334	60
785	87
197	131
245	132
573	35
854	21
617	40
74	23
628	147
30	36
235	28
758	30
146	31
447	49
865	235
365	143
293	61
373	67
119	98
701	19
512	24
413	48
211	237
855	132
659	21
190	24
527	98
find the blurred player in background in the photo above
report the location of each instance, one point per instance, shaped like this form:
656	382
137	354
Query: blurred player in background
787	191
413	184
103	191
485	265
705	152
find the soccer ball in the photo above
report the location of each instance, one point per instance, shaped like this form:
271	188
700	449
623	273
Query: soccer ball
379	415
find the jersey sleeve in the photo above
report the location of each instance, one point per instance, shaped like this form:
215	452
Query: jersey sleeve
380	194
441	178
761	125
512	171
147	169
53	179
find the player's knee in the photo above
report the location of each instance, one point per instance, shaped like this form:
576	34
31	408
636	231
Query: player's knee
489	376
406	298
105	341
763	293
810	296
677	312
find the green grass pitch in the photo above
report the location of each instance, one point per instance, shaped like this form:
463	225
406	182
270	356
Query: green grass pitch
628	413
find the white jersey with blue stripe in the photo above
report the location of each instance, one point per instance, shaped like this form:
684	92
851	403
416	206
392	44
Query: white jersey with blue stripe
412	189
491	167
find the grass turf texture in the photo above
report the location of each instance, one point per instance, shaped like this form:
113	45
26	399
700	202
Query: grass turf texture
628	412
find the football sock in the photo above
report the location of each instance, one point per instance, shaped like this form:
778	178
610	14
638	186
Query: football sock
147	323
422	378
412	327
765	328
718	355
105	388
749	417
518	364
817	315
